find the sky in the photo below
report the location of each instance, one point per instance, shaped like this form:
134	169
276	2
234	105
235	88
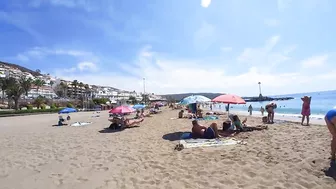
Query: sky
224	46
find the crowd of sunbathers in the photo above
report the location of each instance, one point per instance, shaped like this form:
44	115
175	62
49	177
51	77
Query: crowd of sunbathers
230	128
120	121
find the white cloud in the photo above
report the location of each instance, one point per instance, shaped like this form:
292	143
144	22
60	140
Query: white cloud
283	4
272	22
205	36
164	75
226	49
82	66
315	61
264	57
86	5
40	52
205	3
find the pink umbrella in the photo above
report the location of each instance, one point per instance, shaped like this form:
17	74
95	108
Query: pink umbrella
229	99
122	110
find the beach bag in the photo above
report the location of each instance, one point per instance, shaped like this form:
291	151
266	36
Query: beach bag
264	119
226	125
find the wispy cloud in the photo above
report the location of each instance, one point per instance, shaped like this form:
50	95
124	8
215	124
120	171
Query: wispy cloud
87	5
205	3
226	49
315	61
272	22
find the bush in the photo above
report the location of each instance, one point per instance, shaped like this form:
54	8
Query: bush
53	106
43	106
69	105
29	107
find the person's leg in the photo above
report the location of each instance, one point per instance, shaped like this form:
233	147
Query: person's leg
272	117
307	120
215	128
332	130
302	120
244	121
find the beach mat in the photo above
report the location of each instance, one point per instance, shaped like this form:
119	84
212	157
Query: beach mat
194	143
79	124
208	118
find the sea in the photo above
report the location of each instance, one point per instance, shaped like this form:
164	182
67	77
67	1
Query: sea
321	103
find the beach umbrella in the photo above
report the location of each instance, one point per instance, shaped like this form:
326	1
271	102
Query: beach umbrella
139	106
122	110
67	110
194	99
229	99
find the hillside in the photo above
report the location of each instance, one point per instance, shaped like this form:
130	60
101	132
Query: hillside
179	97
23	69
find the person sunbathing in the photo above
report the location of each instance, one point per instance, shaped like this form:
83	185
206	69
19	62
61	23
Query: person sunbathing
122	122
143	114
241	125
200	131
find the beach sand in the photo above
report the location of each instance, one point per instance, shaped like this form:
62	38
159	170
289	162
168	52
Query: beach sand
33	154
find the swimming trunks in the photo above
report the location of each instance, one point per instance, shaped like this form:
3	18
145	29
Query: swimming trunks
331	114
209	133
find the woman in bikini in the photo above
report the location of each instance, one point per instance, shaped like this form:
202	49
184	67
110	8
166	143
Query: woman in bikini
305	112
330	120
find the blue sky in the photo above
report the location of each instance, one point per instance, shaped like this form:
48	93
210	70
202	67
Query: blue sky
178	46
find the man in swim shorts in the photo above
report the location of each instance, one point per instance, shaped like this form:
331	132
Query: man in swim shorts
330	120
200	131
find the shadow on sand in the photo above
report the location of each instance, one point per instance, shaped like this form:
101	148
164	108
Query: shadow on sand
331	171
172	136
108	130
59	125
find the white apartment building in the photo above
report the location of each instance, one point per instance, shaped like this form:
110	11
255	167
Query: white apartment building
45	91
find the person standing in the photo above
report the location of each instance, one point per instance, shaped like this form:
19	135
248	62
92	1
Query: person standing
330	120
305	112
262	110
250	109
211	107
270	110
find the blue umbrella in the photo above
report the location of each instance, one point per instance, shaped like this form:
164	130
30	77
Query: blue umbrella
139	106
194	99
67	110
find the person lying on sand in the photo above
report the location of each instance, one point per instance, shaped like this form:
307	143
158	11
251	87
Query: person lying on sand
241	125
123	122
143	114
200	131
330	119
181	115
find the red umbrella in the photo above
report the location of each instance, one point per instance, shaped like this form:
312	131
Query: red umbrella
229	99
122	110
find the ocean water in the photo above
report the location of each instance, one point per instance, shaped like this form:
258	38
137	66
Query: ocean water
321	103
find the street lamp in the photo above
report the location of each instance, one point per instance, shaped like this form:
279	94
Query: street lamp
260	95
144	89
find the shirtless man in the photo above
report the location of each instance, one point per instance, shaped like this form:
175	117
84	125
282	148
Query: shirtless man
200	131
330	120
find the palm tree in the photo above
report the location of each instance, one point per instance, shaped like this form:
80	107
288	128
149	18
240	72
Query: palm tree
75	86
26	84
5	83
51	83
64	87
14	91
39	83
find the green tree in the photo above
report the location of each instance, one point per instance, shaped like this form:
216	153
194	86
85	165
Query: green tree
39	83
14	92
39	101
4	84
133	100
99	101
26	84
64	88
75	85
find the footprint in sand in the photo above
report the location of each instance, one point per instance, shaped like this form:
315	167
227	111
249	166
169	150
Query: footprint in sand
81	179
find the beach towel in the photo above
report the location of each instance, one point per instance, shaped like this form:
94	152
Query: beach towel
193	143
78	124
207	118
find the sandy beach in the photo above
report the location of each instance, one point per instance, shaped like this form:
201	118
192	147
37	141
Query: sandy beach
34	154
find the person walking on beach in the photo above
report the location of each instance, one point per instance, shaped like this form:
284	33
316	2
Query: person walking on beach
270	110
305	112
262	110
250	109
330	120
211	107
